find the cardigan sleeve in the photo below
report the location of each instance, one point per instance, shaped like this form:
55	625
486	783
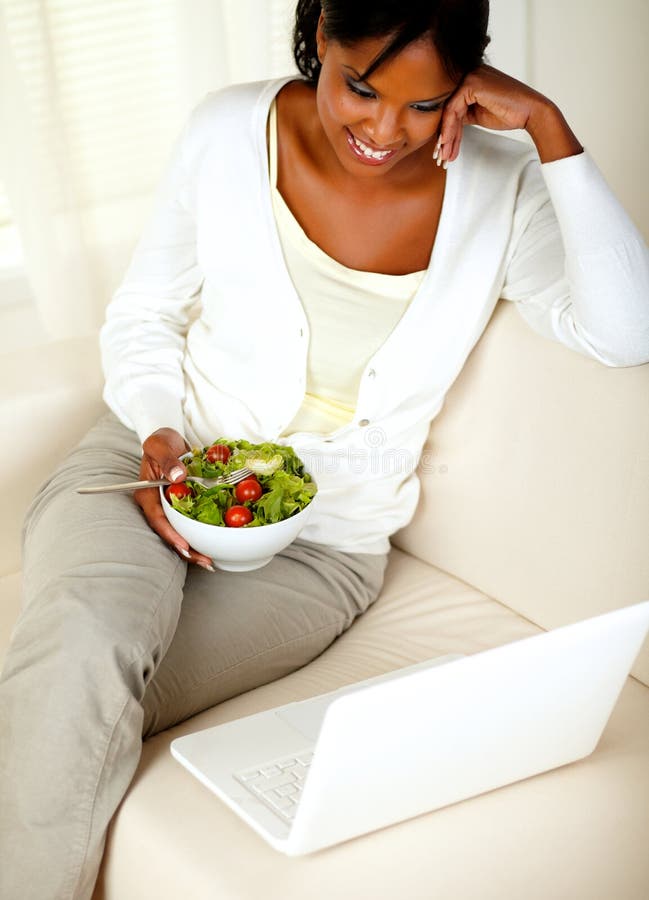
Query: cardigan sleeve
579	268
143	337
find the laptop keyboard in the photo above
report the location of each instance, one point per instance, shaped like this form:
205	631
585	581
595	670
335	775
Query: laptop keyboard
279	783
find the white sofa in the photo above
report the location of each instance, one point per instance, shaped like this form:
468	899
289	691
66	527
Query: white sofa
534	513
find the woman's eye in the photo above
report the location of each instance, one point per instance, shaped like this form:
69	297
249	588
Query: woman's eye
362	92
434	107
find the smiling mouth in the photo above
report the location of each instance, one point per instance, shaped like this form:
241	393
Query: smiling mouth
366	153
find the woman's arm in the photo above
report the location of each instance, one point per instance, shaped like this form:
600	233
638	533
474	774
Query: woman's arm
143	338
494	100
578	267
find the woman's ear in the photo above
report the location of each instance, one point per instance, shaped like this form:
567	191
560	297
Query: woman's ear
320	39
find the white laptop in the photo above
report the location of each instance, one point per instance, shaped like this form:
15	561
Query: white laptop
314	773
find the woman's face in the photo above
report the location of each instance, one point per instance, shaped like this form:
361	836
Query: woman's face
392	118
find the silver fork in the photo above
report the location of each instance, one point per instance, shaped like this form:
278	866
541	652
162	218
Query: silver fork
233	478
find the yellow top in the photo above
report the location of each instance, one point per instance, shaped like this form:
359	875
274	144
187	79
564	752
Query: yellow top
350	315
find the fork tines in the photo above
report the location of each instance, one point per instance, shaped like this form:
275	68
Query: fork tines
237	476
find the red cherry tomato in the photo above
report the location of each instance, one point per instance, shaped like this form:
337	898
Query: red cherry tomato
248	490
179	489
237	516
217	453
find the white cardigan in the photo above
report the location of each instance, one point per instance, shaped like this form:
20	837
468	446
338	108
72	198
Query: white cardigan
234	364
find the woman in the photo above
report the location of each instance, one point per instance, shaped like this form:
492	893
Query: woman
347	240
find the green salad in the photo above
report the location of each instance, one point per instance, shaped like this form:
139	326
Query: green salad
278	489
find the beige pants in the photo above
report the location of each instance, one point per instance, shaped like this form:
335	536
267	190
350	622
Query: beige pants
118	638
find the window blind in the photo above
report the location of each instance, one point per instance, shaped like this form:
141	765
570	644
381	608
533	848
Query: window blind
103	84
79	61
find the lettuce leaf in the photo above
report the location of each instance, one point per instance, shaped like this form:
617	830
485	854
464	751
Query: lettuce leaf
287	488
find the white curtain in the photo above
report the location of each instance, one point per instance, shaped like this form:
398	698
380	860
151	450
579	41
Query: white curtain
92	96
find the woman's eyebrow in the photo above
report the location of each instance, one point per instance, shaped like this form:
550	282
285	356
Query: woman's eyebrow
362	81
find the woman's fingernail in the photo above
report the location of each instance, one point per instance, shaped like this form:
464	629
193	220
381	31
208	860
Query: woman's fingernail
207	566
446	162
439	160
176	472
436	153
184	552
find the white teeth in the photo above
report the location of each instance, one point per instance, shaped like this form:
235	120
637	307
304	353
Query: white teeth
367	151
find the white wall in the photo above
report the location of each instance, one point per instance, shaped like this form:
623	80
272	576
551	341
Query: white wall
508	29
591	56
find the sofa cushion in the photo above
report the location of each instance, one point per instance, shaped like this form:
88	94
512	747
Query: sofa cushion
535	483
577	832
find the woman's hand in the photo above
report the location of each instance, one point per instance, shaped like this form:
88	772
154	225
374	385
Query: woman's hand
494	100
160	459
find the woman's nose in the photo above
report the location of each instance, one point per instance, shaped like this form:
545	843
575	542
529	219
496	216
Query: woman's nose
384	128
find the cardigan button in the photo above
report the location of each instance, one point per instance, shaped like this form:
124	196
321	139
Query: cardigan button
364	422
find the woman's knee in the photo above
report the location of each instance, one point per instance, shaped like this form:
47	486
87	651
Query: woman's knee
95	627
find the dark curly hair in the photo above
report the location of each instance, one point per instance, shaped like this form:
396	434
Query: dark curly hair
458	29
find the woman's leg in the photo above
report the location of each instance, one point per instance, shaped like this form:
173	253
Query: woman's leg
102	596
102	602
238	630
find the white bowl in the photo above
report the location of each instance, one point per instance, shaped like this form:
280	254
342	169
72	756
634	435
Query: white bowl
237	549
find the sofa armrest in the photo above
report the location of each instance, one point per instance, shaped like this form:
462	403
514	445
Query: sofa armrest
535	484
49	396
